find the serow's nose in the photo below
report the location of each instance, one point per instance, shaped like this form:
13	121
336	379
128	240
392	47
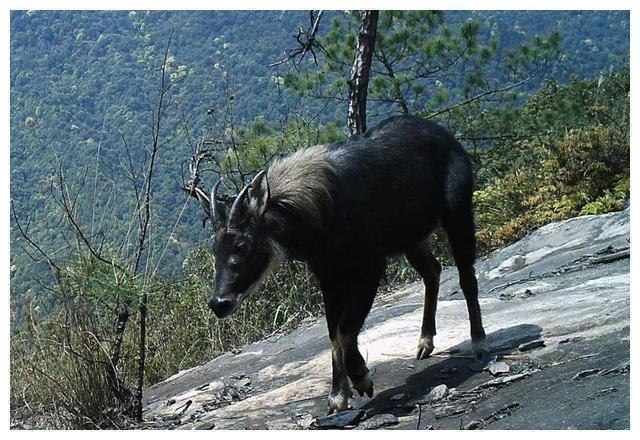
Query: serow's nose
222	307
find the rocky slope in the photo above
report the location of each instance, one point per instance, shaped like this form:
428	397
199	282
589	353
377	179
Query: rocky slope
556	312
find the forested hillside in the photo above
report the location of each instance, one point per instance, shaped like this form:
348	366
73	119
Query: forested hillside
109	257
84	83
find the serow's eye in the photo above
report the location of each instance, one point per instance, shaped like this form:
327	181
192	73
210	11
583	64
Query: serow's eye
234	262
242	248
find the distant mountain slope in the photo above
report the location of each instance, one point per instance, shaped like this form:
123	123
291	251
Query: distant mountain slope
84	81
592	41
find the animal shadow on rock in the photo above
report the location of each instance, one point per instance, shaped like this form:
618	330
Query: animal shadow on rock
452	371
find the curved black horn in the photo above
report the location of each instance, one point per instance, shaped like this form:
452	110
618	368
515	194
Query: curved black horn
236	207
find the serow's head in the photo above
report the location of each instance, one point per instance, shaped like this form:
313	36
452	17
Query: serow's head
243	250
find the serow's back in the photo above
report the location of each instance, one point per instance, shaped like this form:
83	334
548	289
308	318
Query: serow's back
394	184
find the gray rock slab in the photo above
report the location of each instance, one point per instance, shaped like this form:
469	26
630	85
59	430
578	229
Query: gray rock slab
567	284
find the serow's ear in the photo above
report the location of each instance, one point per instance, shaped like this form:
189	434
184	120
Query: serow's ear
259	194
221	214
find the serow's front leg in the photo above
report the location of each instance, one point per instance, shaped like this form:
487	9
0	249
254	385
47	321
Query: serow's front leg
340	390
362	286
347	298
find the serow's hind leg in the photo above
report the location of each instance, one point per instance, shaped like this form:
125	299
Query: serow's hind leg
461	236
425	263
469	286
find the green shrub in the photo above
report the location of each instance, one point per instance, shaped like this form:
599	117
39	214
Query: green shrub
570	157
585	172
59	356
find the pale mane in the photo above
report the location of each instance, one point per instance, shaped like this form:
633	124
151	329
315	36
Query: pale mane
302	183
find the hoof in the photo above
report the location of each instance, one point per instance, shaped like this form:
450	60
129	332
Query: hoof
425	347
480	350
339	401
364	386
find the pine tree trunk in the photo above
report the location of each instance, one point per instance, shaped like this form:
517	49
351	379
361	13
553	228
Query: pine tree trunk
359	80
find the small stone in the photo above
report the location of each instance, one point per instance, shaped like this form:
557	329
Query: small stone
339	419
586	373
243	382
527	294
197	416
531	345
474	424
305	421
499	368
398	396
502	380
615	371
568	340
170	402
602	392
378	421
447	411
438	393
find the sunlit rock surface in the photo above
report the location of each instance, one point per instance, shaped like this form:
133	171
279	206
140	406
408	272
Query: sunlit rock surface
566	284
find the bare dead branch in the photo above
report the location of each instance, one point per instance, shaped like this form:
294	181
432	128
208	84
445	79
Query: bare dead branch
306	41
28	239
71	218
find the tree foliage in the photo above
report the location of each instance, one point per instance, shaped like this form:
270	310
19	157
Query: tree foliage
572	159
422	65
